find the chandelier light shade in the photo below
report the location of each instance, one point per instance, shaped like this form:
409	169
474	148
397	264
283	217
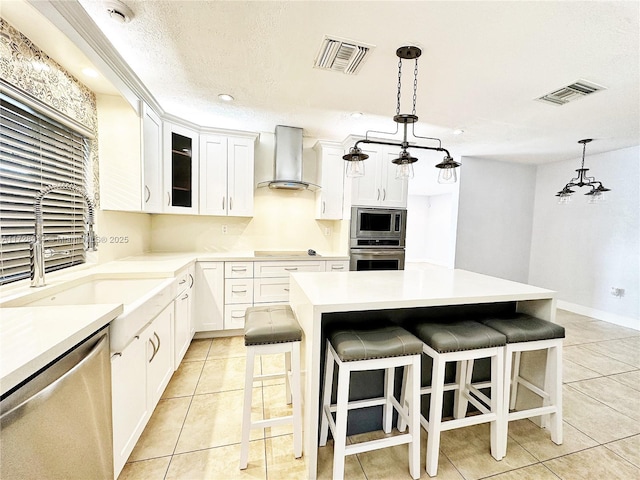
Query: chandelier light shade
596	194
405	161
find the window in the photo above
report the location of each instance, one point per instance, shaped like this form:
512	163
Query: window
36	151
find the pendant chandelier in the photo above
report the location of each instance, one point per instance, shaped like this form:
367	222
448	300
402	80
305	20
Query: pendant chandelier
404	162
596	194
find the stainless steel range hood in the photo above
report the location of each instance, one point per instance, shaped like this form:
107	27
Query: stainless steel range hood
287	165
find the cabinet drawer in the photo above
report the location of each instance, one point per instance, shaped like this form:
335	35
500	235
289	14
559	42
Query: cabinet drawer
238	269
283	269
271	290
337	266
238	291
234	315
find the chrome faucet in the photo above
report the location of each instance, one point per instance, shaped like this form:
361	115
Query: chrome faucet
38	253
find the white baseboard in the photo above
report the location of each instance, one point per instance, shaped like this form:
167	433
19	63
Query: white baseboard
621	320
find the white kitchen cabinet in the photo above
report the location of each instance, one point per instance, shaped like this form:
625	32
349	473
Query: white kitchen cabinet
152	161
209	296
159	356
274	269
226	175
183	326
180	170
119	146
330	176
379	187
128	399
139	375
337	266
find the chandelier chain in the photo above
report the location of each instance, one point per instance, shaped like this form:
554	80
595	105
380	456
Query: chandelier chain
399	85
415	86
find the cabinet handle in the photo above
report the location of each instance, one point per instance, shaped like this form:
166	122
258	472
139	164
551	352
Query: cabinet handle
324	206
222	203
156	335
230	203
186	295
378	197
183	281
384	194
291	269
117	354
148	194
286	289
155	350
191	280
237	316
168	199
337	267
238	291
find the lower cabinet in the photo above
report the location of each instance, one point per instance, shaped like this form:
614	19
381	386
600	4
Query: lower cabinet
183	326
139	375
209	296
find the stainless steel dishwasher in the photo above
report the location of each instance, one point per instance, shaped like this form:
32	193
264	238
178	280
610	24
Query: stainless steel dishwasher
58	424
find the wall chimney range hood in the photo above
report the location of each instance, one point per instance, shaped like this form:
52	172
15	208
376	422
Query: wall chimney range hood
287	165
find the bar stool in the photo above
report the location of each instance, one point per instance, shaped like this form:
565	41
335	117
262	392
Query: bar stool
525	333
385	346
269	330
461	342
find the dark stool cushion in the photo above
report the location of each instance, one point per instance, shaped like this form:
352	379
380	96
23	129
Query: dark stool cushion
368	343
520	327
456	336
276	324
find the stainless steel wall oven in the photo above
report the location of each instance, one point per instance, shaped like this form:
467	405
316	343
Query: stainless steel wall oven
377	238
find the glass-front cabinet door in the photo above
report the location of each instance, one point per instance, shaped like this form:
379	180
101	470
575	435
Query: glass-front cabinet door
180	169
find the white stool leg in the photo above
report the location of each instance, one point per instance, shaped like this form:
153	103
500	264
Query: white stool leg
296	399
340	437
514	380
435	416
553	386
287	370
464	371
387	412
326	396
402	425
246	411
413	372
500	425
509	384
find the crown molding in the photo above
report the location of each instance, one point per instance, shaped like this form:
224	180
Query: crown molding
72	20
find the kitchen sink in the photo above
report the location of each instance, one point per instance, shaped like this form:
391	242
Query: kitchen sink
142	300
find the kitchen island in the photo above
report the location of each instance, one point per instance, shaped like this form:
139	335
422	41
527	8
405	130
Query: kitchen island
403	296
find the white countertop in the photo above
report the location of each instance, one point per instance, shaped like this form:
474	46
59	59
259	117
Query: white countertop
409	288
31	337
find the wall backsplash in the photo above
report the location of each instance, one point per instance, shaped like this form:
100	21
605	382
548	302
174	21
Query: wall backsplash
281	221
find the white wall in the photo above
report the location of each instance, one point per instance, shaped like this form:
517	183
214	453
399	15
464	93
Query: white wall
582	250
429	228
495	218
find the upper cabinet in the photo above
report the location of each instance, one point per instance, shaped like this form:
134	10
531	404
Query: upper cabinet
379	187
180	169
119	154
330	175
152	161
226	175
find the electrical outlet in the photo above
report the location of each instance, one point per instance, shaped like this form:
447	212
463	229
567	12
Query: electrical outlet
617	292
224	229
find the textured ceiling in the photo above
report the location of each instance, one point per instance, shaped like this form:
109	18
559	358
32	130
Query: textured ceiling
483	64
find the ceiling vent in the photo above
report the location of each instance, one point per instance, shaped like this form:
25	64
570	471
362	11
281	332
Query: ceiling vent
567	94
341	55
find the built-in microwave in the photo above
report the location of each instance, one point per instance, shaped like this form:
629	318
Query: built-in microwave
378	227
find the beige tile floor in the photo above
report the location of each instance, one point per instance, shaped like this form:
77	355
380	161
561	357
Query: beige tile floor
194	432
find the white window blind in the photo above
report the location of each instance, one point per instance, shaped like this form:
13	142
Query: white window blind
35	152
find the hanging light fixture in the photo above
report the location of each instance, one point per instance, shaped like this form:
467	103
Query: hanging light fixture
596	194
404	162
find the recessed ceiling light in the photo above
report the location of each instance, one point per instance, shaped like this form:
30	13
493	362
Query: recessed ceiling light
458	132
225	97
90	72
357	115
